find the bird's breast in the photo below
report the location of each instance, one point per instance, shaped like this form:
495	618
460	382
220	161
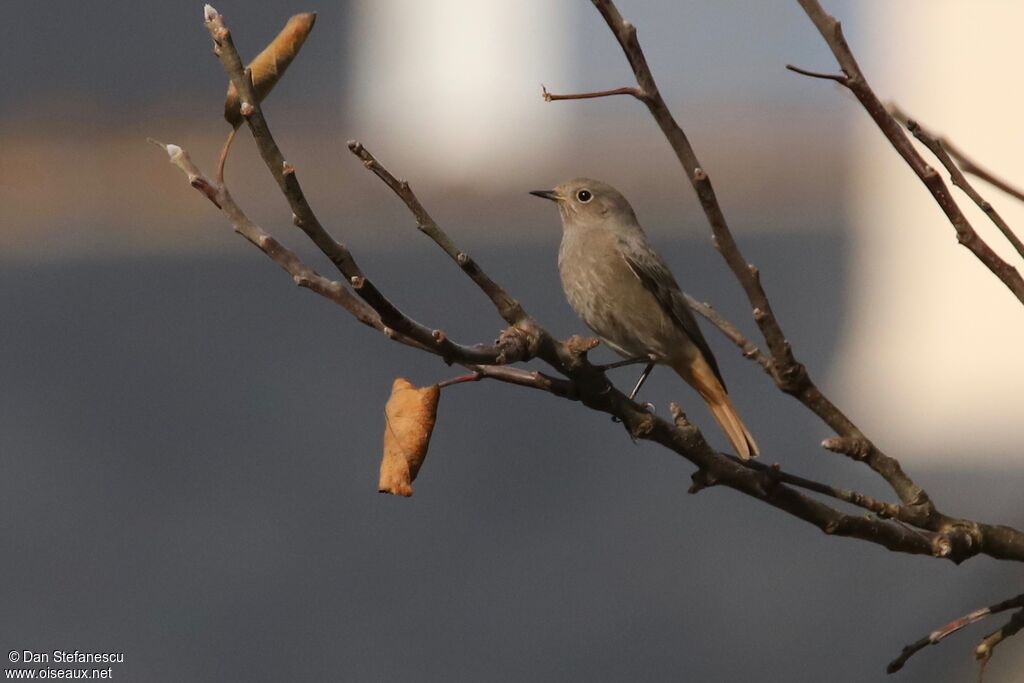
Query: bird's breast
612	301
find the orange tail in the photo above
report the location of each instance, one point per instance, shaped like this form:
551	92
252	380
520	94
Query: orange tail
701	377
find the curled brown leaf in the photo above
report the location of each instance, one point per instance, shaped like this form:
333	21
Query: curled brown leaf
409	418
269	65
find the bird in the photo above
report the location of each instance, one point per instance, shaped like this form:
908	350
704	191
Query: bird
623	290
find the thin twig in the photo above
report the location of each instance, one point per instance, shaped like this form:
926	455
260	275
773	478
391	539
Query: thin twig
223	159
974	168
966	163
529	378
838	78
552	97
731	331
461	379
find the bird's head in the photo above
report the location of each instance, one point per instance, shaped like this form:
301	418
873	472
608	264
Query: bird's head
584	201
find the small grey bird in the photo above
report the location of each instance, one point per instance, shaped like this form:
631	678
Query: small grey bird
625	293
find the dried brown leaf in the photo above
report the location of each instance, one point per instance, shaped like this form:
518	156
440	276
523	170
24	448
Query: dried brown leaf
269	65
409	418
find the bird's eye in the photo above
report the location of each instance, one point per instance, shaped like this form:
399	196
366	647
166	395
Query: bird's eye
584	196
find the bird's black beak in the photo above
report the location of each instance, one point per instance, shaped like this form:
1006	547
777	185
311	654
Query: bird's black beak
546	194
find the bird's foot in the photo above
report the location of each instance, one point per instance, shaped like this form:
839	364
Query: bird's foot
647	407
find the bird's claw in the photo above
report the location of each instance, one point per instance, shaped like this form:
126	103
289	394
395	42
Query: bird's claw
647	407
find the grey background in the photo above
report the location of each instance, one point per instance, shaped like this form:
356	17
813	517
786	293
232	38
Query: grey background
189	444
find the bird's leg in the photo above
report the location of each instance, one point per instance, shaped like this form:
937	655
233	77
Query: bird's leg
649	407
640	382
623	363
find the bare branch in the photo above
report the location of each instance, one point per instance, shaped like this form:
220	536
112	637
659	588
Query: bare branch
371	308
912	527
717	469
952	627
832	32
880	508
281	170
768	484
938	146
302	274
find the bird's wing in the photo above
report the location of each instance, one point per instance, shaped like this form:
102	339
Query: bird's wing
655	276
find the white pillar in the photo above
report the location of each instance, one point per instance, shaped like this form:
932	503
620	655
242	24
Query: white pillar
451	89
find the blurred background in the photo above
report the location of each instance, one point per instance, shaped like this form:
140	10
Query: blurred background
189	444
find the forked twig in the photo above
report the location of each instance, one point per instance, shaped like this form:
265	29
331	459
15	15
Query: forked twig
941	148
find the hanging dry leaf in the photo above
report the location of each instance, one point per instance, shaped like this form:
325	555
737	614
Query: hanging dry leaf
269	65
409	420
